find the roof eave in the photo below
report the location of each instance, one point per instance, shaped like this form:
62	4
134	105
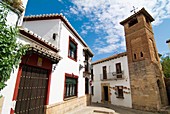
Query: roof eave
143	11
110	58
57	16
89	51
168	41
33	37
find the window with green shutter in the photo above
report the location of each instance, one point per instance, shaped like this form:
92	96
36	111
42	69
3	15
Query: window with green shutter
72	52
70	87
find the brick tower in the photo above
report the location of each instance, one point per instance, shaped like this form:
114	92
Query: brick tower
146	77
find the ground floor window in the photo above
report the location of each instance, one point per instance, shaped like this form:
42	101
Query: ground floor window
70	87
120	92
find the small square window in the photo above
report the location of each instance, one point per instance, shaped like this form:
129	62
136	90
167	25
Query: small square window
133	22
72	52
120	92
118	70
141	54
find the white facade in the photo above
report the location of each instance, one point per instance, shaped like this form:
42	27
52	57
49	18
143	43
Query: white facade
15	17
112	81
44	29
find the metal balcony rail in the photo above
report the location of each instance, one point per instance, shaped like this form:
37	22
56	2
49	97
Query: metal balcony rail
112	76
115	73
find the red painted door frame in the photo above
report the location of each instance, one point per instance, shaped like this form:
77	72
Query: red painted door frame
32	61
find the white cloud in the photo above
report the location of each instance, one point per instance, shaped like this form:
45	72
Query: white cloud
73	10
84	32
60	0
105	15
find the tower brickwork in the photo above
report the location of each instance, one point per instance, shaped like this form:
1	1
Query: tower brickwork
146	77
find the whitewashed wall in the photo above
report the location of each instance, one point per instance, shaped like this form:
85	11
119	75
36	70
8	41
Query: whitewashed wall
45	28
110	65
8	91
66	65
14	18
24	4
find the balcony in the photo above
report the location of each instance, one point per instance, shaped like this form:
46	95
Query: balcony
87	62
112	76
87	71
86	74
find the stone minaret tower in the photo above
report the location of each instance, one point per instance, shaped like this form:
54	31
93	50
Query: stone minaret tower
146	77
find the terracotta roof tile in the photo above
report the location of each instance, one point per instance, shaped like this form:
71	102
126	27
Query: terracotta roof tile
30	34
110	58
56	16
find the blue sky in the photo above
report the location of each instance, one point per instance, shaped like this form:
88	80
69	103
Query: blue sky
97	21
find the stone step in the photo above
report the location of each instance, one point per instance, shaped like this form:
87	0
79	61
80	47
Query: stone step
92	110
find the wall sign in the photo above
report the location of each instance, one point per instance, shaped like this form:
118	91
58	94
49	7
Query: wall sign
39	62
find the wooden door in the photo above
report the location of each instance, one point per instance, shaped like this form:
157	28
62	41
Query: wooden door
106	98
32	91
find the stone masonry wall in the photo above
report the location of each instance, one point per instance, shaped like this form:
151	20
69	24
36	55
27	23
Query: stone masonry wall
146	95
66	106
1	103
146	78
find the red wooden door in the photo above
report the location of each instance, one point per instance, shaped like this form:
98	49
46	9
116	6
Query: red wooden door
32	91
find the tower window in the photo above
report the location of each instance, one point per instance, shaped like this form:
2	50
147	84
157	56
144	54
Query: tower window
133	22
134	56
141	54
147	20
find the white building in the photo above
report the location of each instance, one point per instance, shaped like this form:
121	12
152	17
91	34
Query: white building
53	76
111	81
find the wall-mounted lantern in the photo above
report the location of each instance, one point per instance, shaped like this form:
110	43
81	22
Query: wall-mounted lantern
81	66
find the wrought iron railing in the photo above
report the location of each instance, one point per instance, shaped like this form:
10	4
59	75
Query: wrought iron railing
112	76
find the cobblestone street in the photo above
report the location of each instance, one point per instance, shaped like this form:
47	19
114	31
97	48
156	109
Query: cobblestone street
97	108
123	110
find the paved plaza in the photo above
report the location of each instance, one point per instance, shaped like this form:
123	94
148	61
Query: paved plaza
122	110
97	108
